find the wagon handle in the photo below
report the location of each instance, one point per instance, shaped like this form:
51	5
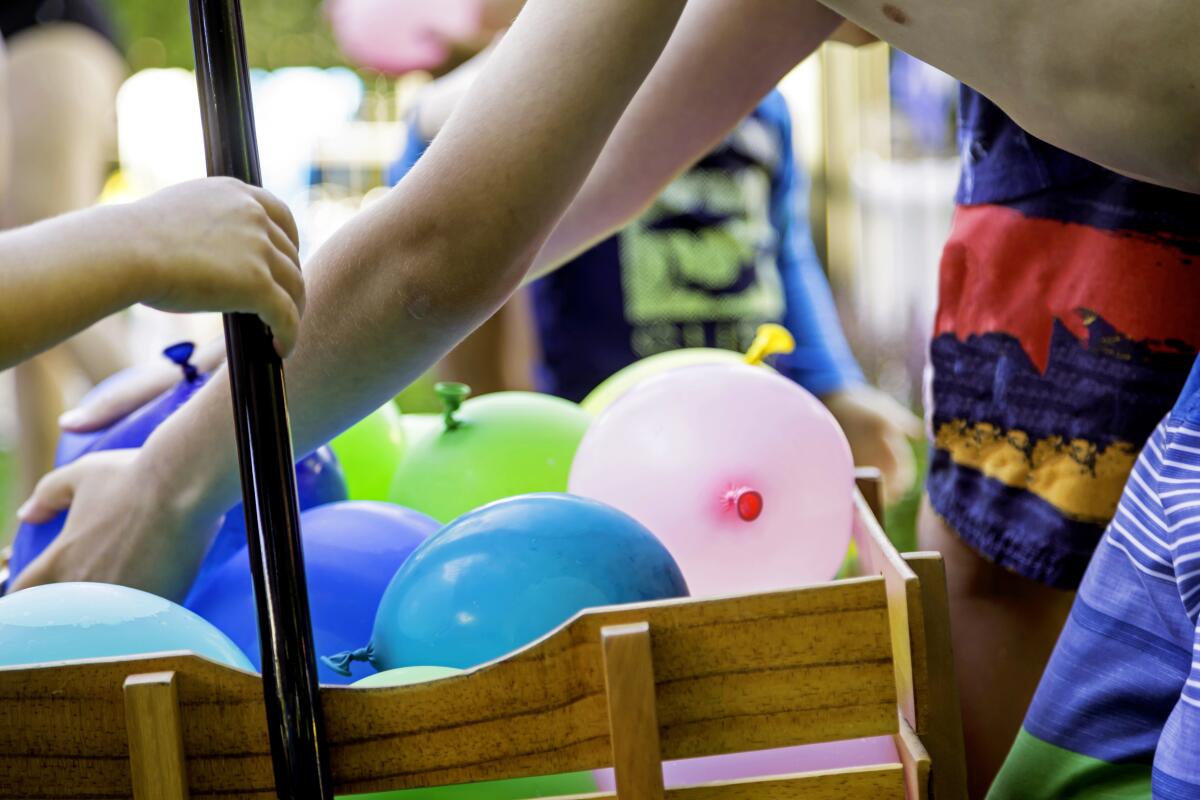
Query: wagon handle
293	710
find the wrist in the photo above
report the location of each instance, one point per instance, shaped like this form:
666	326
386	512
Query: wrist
113	248
137	248
838	394
190	470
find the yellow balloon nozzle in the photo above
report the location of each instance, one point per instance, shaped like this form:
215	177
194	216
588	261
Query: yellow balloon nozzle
771	339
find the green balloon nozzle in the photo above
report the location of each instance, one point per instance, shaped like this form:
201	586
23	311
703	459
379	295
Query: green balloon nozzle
452	396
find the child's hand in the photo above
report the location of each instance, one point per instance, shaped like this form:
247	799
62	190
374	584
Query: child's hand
138	386
110	497
218	244
879	430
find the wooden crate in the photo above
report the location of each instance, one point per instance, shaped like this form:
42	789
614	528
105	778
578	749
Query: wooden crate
624	687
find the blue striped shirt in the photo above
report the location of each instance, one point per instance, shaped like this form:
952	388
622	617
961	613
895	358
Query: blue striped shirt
1123	685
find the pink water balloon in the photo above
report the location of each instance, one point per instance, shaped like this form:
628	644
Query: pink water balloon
398	36
745	477
784	761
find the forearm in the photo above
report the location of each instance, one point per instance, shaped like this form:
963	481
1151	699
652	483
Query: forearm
724	57
479	360
410	277
1116	83
60	276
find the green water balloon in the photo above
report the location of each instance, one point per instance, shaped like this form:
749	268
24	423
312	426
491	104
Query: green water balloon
488	448
370	452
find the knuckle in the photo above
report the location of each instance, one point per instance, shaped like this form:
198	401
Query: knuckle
263	280
263	245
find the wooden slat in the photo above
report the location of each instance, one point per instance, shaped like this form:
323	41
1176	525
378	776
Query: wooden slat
157	762
632	711
884	782
63	727
737	674
879	556
939	713
746	673
870	485
915	760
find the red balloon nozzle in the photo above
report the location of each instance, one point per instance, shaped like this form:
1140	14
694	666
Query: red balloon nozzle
747	502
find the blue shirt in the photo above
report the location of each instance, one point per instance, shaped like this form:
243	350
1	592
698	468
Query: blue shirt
725	248
1118	707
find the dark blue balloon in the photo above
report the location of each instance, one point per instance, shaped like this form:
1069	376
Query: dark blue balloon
130	431
31	540
351	552
72	445
500	577
319	481
319	478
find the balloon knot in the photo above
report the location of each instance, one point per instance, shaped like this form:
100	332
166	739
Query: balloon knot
340	662
452	396
746	502
181	355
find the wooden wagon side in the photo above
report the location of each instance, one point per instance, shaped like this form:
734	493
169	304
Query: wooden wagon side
624	687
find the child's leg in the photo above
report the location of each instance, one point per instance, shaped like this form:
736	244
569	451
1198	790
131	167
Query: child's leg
62	84
1004	628
63	81
1052	361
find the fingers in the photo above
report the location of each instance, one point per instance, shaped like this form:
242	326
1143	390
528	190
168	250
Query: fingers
282	308
279	213
910	425
900	469
279	311
281	242
53	494
120	400
285	266
40	571
55	491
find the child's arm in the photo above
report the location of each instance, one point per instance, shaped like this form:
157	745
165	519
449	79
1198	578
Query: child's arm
209	245
394	290
1113	83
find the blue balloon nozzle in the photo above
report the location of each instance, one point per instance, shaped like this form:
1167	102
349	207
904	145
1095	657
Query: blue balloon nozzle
181	355
340	662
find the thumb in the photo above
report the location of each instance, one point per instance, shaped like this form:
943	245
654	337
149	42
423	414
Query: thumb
40	571
53	493
913	427
116	402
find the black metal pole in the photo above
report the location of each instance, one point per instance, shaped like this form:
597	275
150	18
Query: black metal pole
263	436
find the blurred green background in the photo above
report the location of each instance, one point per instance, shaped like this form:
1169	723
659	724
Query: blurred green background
279	33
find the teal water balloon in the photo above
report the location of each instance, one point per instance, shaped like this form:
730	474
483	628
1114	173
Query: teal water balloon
68	621
504	575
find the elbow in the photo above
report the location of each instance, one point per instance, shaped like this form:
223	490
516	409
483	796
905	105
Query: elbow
449	279
1135	116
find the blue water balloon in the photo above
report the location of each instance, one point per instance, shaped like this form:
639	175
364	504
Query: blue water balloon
319	481
67	621
72	445
130	431
319	478
351	552
500	577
